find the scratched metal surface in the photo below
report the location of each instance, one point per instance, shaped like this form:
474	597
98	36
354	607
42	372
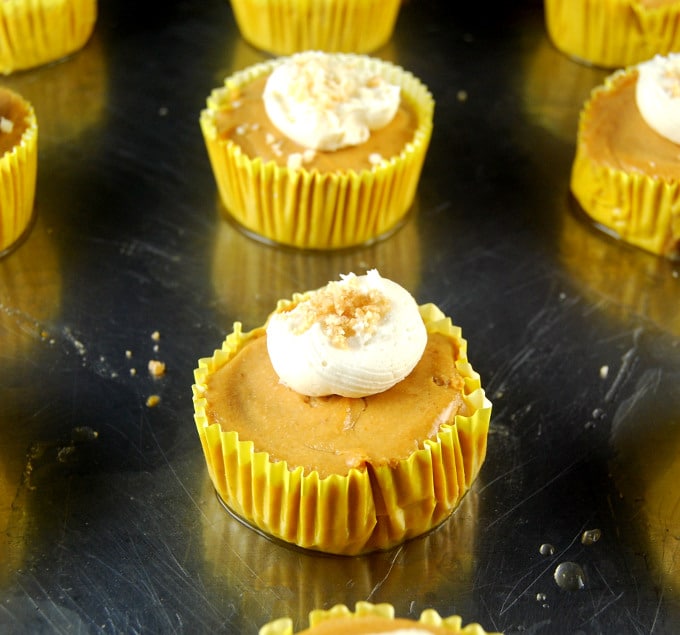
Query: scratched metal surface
108	521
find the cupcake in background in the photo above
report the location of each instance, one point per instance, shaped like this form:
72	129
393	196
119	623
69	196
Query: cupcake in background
18	167
613	33
369	619
293	168
283	27
626	174
35	32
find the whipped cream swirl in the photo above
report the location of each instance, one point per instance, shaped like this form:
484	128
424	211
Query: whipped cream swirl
325	101
658	95
354	337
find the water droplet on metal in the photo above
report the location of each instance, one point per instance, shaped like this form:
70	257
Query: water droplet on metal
590	536
541	597
569	576
546	549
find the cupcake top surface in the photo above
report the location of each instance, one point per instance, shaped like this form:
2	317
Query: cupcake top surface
327	102
361	330
615	133
333	434
354	337
13	113
296	131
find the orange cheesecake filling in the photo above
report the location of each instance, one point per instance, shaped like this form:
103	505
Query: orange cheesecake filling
333	434
245	122
14	111
617	135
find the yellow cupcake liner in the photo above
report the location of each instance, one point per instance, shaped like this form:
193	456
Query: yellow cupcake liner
18	174
365	510
429	617
34	32
612	33
284	27
311	209
641	210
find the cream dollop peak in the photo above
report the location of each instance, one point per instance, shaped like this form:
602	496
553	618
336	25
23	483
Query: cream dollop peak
328	101
356	336
657	93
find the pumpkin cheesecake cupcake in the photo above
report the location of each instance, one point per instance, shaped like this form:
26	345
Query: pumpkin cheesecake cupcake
613	33
18	166
626	172
35	32
318	150
350	422
371	619
284	27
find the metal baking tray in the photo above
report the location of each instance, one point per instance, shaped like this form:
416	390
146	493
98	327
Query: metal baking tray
108	521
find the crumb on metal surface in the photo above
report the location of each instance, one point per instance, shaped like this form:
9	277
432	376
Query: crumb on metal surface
156	368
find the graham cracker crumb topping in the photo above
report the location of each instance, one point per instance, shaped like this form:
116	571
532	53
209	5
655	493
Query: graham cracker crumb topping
343	310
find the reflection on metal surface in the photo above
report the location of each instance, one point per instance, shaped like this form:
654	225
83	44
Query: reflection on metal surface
30	298
555	87
271	578
69	96
241	55
622	278
267	273
30	294
645	437
13	512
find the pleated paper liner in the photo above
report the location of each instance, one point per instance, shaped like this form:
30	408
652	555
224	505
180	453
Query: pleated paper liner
284	27
639	209
18	173
312	209
612	33
35	32
365	510
340	619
